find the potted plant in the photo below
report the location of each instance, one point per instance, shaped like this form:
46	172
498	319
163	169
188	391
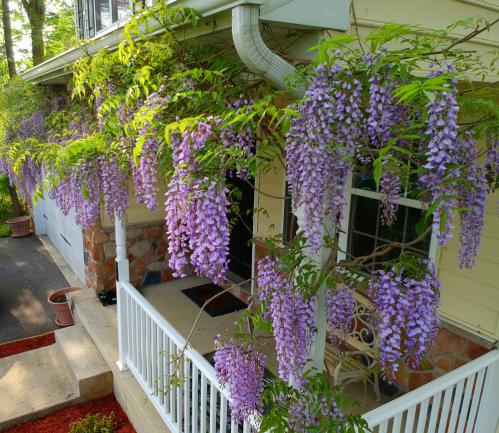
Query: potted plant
20	226
62	309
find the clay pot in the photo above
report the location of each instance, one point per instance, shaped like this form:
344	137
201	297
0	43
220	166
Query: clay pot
59	303
20	226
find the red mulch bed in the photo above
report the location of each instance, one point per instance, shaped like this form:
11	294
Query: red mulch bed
61	421
19	346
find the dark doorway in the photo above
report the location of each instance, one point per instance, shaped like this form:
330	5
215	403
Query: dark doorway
240	247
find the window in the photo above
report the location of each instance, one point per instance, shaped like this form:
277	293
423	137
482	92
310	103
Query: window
363	230
362	222
93	16
290	225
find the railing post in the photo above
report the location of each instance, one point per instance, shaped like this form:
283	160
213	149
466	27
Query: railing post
487	417
122	275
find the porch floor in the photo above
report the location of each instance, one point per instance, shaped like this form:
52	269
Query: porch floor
181	312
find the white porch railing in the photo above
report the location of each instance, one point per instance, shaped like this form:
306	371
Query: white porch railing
195	402
466	400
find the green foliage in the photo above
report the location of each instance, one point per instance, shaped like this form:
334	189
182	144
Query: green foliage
95	424
59	28
5	203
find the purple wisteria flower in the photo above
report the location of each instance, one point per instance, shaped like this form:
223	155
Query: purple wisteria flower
340	308
441	165
406	316
472	194
241	369
320	144
196	212
114	187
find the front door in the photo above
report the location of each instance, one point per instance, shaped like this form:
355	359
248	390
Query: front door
240	247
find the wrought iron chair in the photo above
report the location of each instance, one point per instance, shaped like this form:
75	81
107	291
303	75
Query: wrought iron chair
348	366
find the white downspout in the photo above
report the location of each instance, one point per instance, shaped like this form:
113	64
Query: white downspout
253	51
258	57
122	275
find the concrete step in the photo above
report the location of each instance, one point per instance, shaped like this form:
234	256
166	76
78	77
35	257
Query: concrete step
89	372
34	384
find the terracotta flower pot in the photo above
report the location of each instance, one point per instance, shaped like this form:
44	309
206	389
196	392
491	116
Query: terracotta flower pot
20	226
60	305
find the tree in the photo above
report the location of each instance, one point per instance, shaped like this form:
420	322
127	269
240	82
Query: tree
7	37
11	64
35	10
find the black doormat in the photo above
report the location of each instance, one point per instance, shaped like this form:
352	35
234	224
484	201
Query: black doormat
224	304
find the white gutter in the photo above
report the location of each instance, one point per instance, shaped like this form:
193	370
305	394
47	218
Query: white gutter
253	51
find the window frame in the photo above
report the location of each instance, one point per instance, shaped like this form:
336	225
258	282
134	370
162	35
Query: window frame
344	235
89	9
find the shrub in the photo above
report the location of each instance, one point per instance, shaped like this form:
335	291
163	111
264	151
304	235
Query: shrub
95	424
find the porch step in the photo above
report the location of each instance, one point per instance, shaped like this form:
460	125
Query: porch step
34	384
89	372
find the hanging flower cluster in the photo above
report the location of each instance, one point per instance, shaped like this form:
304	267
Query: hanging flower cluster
340	308
306	412
441	166
145	172
406	316
293	318
471	200
241	368
114	186
316	172
196	212
239	139
33	126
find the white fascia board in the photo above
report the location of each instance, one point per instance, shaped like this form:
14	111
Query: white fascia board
110	37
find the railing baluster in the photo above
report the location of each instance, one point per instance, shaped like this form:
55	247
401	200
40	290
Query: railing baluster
397	423
223	415
423	410
233	425
409	420
179	389
456	406
213	408
470	383
204	402
171	388
187	395
155	358
435	411
143	368
477	391
159	365
148	351
444	415
130	324
383	427
195	399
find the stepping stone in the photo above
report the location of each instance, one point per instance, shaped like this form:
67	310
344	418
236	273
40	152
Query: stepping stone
34	384
89	372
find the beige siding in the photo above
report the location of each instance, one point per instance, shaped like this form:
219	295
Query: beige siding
270	211
137	213
471	297
433	14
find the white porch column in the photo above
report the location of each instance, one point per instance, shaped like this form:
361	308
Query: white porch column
319	259
122	275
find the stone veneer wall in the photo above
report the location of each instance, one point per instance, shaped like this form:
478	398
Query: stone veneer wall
147	252
453	348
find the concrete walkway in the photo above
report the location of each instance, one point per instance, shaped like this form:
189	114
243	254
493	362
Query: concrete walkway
27	276
36	383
